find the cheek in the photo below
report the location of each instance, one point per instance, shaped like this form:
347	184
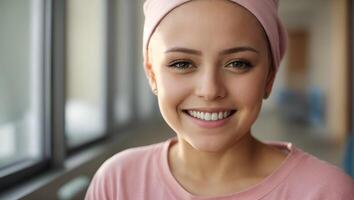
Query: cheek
171	90
171	94
248	94
249	91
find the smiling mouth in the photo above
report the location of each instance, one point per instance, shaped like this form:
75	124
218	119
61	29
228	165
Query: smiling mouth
210	116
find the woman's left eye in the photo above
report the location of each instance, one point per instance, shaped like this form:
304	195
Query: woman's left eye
239	65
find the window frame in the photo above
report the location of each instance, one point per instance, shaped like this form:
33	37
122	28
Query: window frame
110	48
55	152
108	76
25	169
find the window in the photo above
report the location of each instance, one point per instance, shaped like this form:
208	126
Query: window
85	71
56	58
133	98
21	81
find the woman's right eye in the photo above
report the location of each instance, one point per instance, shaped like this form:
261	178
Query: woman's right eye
181	65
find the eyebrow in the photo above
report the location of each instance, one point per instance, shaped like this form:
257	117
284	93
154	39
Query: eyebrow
183	50
223	52
238	49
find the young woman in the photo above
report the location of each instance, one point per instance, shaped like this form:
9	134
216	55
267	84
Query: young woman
211	63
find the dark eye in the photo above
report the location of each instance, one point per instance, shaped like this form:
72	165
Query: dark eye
239	65
180	65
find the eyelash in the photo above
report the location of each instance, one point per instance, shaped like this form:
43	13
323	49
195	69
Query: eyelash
245	65
178	62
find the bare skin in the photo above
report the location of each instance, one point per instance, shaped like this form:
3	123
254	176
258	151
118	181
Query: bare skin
208	75
219	174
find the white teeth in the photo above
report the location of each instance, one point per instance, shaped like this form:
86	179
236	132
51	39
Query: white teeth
214	116
207	116
221	115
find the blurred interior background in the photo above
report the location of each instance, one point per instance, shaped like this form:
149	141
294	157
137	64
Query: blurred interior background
73	91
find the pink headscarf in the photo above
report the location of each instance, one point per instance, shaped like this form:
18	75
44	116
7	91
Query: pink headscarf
266	11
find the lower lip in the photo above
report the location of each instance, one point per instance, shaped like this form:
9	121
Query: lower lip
209	124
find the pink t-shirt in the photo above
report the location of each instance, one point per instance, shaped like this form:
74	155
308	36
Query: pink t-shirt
143	173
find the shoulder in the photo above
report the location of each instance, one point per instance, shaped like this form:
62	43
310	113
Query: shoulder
320	170
321	178
132	158
124	168
139	154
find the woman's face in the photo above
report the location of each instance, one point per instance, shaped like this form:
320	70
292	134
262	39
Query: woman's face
210	63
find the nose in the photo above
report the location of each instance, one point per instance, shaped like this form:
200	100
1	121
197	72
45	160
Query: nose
210	86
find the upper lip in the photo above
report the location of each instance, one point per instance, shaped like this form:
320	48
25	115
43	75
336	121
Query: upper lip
210	109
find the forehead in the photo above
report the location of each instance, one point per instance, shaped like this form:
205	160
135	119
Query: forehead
210	22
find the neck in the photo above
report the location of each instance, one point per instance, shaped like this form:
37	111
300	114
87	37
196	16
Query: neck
230	163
